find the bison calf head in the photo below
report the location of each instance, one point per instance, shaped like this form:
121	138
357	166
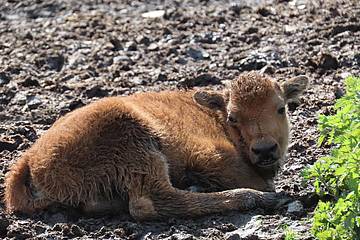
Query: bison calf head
253	109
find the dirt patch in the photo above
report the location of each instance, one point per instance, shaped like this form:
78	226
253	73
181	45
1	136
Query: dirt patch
56	56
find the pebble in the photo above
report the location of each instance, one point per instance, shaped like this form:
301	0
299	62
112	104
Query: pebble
33	102
4	78
232	236
76	231
122	58
96	91
116	44
154	14
143	40
56	62
209	38
295	207
200	80
130	46
180	60
289	29
264	11
153	47
162	77
328	61
197	53
4	223
236	8
182	236
76	103
338	92
29	82
19	99
136	80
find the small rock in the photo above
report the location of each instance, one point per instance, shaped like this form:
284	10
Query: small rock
76	60
340	28
19	99
96	91
288	29
29	82
299	4
116	44
268	69
338	92
29	36
154	14
200	80
236	8
357	59
310	200
264	11
328	61
314	42
26	131
66	230
143	40
345	75
232	236
209	38
257	59
120	232
295	207
75	104
292	105
136	80
124	58
57	227
33	102
182	236
251	30
197	54
15	232
153	47
162	77
181	60
56	62
131	46
4	79
167	31
4	223
76	231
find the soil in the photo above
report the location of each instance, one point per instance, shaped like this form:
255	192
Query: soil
56	56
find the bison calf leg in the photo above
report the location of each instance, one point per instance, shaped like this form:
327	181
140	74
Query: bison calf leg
156	198
105	207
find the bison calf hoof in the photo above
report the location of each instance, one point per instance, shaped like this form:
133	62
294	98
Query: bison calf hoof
142	209
273	200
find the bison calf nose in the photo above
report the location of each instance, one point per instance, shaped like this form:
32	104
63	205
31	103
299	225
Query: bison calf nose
265	151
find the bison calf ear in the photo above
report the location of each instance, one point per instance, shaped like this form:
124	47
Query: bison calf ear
294	87
214	101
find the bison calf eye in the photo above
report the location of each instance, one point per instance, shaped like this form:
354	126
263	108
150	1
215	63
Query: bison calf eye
231	120
281	110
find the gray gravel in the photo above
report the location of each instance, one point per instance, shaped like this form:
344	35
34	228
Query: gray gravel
56	56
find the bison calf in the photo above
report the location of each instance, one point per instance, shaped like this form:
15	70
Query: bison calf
143	151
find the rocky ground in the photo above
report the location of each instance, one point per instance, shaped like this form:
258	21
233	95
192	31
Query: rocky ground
56	56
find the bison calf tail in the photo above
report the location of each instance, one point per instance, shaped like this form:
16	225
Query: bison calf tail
18	196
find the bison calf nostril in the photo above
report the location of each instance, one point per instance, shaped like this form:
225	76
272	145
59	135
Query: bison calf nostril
273	148
256	150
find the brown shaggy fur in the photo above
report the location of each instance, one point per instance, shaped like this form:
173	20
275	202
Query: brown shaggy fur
145	150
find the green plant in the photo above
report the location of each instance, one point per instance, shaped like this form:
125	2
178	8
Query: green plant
337	176
290	234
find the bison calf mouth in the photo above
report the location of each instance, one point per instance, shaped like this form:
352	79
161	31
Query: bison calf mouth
267	162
